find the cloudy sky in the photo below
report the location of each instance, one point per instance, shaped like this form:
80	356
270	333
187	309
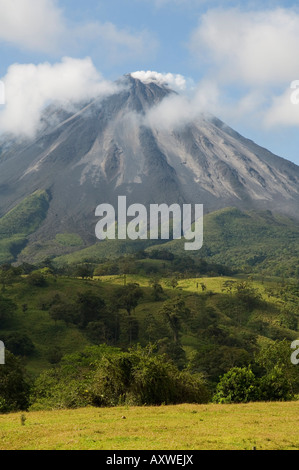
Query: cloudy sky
239	60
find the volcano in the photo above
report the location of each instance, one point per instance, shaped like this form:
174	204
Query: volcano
92	153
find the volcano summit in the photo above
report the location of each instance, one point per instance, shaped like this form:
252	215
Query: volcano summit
97	151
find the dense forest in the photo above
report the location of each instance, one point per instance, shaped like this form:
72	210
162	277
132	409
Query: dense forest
149	328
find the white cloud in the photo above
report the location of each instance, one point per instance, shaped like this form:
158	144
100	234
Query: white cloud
284	110
176	111
253	56
256	48
31	24
40	25
30	87
176	82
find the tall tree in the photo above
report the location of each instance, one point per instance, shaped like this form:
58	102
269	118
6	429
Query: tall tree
128	298
175	310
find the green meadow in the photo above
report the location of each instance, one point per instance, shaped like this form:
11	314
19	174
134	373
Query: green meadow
264	426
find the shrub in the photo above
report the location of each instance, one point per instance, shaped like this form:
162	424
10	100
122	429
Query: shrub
140	377
19	344
275	386
36	279
238	385
55	390
14	386
108	377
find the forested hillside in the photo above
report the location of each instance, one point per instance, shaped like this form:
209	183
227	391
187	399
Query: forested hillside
193	321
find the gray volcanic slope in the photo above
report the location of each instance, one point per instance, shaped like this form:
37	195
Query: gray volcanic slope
104	150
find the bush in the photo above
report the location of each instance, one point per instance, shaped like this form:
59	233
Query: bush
7	310
68	385
141	378
108	377
19	344
273	382
238	385
275	386
56	390
14	387
37	279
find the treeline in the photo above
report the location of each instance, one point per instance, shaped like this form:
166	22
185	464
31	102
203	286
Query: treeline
103	376
153	262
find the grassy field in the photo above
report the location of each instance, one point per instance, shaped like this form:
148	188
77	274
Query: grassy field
266	426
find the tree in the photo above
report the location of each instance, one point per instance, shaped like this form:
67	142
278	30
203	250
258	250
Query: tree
250	297
8	274
37	279
277	368
84	271
128	298
106	376
238	385
27	268
272	377
157	288
214	362
63	312
19	344
7	309
90	307
228	286
275	386
175	311
14	386
54	355
141	377
174	282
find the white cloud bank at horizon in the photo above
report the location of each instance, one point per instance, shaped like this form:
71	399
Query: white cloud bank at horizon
29	88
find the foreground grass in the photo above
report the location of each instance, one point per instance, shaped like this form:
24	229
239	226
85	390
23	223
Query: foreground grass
266	426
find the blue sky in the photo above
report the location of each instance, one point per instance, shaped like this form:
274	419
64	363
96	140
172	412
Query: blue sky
241	56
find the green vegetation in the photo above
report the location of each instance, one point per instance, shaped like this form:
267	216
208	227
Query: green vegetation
101	327
246	242
104	377
156	333
69	239
259	242
21	221
26	217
